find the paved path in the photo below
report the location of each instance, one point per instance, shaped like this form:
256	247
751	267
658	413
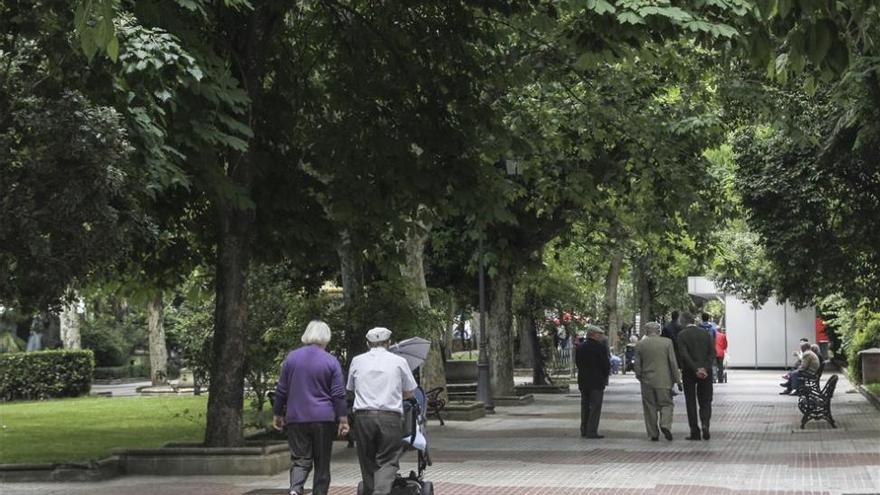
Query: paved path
121	389
756	447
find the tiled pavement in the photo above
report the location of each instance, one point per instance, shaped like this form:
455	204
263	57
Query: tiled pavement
756	447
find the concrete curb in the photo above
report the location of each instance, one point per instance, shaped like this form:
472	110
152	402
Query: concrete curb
61	472
873	399
194	460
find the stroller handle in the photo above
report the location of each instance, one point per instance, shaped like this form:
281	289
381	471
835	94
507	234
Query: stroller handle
414	412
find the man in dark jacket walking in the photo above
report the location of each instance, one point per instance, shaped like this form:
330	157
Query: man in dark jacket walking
696	348
671	331
594	365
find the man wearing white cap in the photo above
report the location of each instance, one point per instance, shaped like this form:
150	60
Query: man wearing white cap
380	381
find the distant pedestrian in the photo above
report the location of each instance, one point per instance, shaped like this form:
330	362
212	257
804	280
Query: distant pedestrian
34	342
720	353
670	331
594	366
380	381
615	364
708	325
657	372
310	403
696	347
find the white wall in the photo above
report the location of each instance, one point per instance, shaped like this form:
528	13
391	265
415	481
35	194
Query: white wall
770	335
765	337
800	323
740	325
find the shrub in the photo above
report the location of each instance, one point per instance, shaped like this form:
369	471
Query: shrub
45	374
106	338
111	372
10	343
866	337
119	372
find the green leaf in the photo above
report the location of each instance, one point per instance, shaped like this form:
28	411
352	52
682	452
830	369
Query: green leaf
113	49
585	61
810	85
630	18
819	40
600	7
783	7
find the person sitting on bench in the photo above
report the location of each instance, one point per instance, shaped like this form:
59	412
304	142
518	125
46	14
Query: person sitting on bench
809	365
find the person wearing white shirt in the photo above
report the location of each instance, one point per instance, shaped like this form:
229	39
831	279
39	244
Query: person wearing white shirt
380	381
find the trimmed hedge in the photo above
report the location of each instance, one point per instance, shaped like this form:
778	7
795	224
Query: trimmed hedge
45	374
119	372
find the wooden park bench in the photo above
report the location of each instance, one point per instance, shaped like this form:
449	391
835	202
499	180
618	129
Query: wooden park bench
814	403
436	403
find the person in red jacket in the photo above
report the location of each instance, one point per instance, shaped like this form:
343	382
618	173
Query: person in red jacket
720	352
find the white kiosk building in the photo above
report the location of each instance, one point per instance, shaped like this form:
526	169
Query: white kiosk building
763	337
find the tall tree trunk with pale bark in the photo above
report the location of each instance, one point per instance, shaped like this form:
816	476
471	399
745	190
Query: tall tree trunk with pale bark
645	299
612	315
531	341
433	372
69	323
158	349
499	332
351	271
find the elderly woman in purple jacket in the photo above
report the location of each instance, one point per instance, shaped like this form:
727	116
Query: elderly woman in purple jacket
311	390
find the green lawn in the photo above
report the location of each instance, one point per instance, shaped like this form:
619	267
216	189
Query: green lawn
89	428
465	355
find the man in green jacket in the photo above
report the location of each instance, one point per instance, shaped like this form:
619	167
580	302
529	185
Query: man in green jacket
657	370
696	348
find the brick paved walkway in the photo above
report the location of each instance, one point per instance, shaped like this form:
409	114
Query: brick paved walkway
756	447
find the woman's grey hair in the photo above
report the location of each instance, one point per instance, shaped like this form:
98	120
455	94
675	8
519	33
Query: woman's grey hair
652	328
815	348
317	332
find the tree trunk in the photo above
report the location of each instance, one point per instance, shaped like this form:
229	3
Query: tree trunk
350	269
612	316
525	325
70	325
451	311
499	332
433	372
530	339
158	349
226	389
644	299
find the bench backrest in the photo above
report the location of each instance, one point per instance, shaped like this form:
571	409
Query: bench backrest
830	385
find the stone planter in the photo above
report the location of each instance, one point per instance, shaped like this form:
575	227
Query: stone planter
194	460
514	400
464	411
63	472
870	365
461	371
528	388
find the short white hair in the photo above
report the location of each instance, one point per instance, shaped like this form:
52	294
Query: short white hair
317	332
652	327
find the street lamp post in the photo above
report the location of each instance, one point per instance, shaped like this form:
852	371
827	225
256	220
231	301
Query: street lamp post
484	384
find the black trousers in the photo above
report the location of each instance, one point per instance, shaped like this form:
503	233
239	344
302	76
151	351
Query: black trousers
697	391
310	447
379	445
719	369
591	410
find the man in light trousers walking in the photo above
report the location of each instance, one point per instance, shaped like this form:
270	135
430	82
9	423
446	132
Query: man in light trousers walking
657	371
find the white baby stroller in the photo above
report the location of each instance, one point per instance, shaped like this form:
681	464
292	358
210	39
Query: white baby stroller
414	350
